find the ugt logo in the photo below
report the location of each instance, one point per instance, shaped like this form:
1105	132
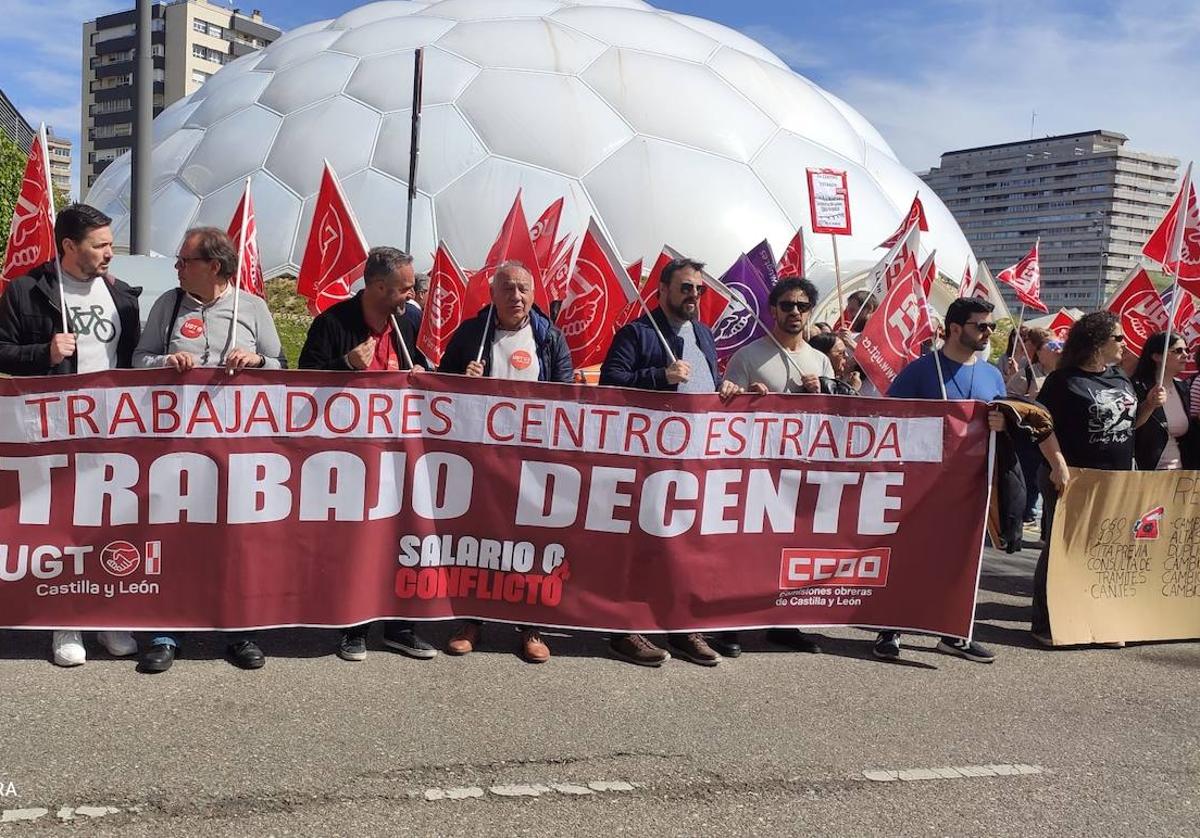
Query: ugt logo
1146	527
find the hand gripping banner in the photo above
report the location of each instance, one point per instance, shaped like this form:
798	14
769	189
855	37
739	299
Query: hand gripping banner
153	500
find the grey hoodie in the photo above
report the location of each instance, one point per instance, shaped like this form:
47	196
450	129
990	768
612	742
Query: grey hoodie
203	330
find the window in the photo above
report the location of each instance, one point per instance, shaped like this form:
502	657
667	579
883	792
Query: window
103	132
200	77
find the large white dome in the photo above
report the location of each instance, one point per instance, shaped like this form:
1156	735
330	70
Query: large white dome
669	129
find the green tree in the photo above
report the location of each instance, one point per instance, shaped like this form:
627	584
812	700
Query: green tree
12	171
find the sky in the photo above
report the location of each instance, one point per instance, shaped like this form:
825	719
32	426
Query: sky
930	75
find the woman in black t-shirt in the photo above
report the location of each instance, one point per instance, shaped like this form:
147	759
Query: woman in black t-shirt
1095	412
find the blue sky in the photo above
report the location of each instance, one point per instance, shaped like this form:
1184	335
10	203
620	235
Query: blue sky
931	75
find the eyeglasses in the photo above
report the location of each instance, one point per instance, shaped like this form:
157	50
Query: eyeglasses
788	306
186	259
1117	338
983	326
688	289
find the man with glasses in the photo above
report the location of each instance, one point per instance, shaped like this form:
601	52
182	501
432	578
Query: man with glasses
102	330
638	358
969	330
781	362
193	326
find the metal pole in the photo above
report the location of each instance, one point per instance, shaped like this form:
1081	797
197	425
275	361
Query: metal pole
414	148
143	137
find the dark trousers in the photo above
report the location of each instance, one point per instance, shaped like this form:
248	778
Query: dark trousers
1031	462
362	628
1040	623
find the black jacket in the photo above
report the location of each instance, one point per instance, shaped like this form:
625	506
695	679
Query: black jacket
554	357
30	318
638	359
340	328
1151	438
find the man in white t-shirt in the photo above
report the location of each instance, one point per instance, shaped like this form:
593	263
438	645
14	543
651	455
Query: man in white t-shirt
515	340
780	362
102	330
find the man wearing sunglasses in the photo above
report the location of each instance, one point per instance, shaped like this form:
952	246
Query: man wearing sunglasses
638	358
969	328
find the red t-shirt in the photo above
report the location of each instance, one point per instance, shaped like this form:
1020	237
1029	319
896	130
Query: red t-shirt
385	351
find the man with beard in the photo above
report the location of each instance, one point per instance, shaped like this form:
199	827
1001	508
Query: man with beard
638	358
102	330
969	328
781	362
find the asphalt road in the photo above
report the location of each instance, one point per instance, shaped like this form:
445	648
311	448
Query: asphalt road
1104	741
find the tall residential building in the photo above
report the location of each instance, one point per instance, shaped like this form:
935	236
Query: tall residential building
1092	202
22	133
190	40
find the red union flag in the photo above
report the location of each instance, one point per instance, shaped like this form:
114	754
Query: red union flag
1160	246
829	201
648	291
792	263
1141	310
928	273
544	233
336	249
445	305
635	273
915	218
559	272
31	236
598	292
1061	324
250	275
513	243
1025	278
890	268
894	334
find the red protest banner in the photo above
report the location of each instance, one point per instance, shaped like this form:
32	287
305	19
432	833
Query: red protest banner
152	499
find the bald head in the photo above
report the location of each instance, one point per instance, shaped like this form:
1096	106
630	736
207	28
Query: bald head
512	294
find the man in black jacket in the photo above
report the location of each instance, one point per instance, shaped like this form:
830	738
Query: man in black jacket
509	339
370	332
102	329
103	323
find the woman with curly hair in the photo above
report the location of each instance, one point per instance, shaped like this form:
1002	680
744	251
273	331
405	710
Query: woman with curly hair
1095	411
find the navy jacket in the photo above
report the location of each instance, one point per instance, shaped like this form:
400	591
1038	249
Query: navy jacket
30	317
554	358
340	328
637	357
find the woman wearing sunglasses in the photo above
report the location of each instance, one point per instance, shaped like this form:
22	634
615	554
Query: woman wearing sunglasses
1167	439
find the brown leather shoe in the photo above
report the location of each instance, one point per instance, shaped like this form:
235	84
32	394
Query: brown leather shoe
633	648
533	648
464	641
694	648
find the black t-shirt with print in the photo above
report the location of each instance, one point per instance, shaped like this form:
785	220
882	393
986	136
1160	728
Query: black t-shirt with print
1094	414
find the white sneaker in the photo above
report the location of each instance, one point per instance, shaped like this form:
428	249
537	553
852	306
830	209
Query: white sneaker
68	648
119	644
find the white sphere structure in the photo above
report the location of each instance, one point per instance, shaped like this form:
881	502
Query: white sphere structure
669	129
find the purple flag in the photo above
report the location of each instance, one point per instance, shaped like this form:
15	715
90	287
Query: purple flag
763	259
741	322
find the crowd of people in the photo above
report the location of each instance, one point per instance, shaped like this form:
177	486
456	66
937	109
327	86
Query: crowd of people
1056	405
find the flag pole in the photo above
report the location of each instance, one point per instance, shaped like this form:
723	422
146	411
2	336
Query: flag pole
414	150
937	360
400	341
837	275
1176	257
483	341
231	341
62	294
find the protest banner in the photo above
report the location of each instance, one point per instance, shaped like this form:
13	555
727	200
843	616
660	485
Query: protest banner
1125	558
156	500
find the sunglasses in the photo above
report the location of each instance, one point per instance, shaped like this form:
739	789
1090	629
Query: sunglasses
984	326
186	259
688	289
788	306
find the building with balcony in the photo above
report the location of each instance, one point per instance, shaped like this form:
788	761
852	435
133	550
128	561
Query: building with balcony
190	40
1092	202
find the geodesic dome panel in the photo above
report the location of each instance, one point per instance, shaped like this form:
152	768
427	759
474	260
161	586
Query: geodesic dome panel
667	128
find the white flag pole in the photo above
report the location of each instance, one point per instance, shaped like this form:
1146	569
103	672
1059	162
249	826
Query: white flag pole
400	341
62	294
1175	257
231	341
837	276
483	340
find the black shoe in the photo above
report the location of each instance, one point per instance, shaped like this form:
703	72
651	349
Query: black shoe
158	658
887	645
408	642
246	654
352	647
794	639
725	644
968	649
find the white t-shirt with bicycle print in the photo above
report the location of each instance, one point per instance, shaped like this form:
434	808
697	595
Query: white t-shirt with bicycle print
94	320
